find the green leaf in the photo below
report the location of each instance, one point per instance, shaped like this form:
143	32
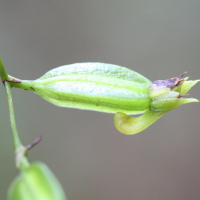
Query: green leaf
132	125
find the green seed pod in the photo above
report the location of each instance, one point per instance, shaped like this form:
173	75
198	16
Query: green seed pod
37	182
113	89
93	86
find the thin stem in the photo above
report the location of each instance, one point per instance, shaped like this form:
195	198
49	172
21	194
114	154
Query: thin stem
17	142
23	162
3	74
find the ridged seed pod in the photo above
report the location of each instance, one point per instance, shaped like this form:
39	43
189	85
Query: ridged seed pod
113	89
37	182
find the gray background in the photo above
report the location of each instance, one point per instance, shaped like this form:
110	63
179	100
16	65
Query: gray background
92	160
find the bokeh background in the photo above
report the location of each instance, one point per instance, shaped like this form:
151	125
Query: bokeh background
92	160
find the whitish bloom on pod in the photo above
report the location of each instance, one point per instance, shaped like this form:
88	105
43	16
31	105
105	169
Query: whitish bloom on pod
112	89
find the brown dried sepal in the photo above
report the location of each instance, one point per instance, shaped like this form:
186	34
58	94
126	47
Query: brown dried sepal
169	83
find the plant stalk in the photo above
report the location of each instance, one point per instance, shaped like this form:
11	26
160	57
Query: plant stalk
3	74
21	160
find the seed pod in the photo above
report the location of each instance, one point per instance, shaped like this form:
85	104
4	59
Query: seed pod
37	182
113	89
93	86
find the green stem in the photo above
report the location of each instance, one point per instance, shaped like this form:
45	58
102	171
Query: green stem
21	160
19	149
3	74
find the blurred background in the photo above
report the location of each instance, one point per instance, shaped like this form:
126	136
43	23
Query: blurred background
92	160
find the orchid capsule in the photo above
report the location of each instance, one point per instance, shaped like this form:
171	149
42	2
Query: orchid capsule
37	182
112	89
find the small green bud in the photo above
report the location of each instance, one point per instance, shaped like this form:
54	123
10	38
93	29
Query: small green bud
113	89
37	182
